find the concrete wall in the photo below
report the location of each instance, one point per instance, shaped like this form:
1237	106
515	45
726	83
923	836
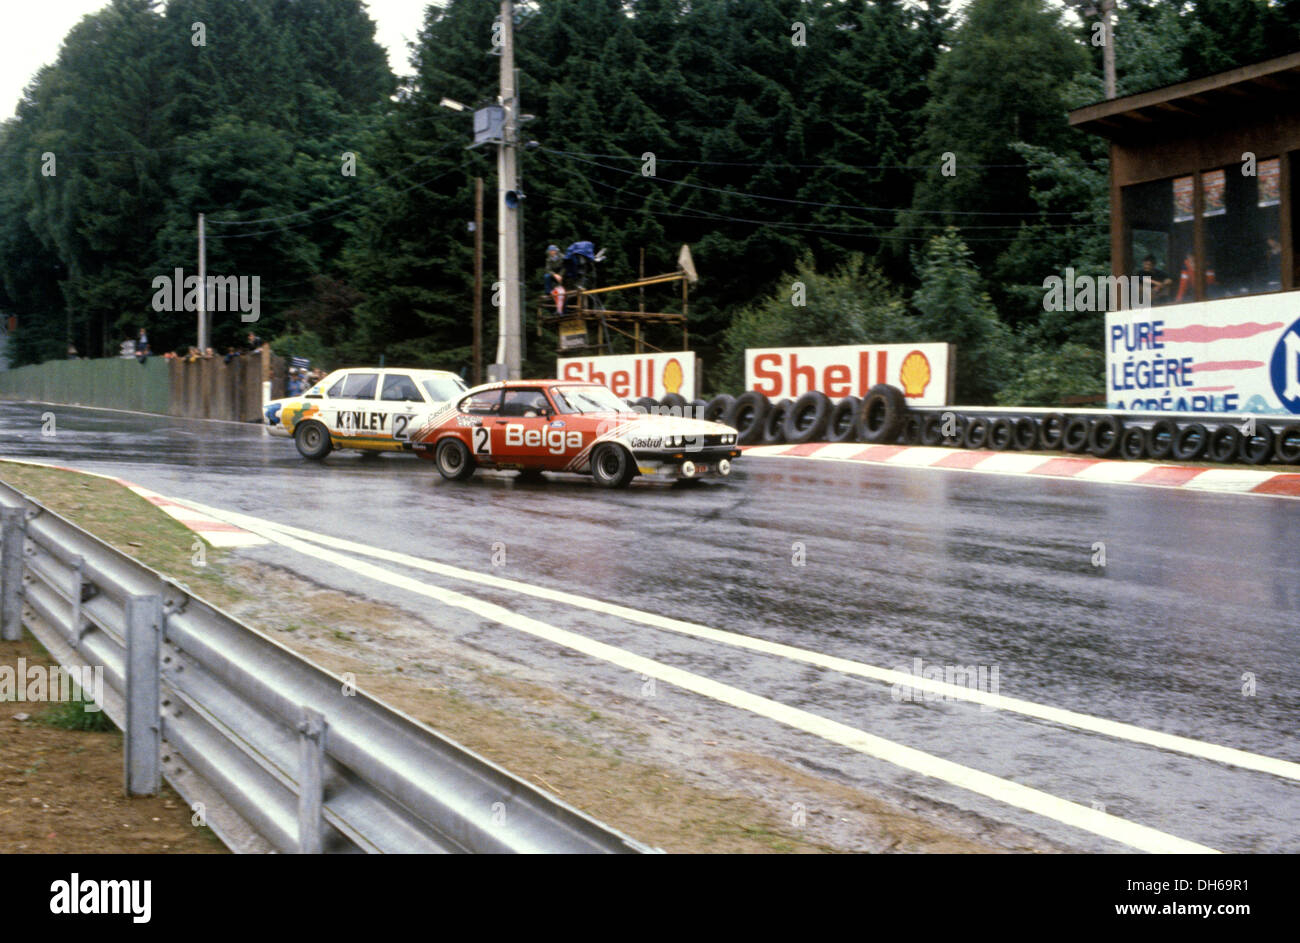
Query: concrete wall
115	383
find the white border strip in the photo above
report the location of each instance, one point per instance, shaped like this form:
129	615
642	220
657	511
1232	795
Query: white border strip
1132	834
1110	728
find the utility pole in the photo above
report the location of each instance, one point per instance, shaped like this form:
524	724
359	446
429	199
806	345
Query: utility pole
477	372
1104	9
203	290
1108	50
509	345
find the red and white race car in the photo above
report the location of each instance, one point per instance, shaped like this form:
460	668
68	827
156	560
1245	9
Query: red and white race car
562	425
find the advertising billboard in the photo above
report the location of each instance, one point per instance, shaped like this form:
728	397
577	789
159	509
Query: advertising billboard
632	376
922	371
1225	356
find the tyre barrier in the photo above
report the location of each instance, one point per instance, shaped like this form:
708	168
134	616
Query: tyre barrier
718	407
881	414
1257	448
1160	439
774	424
882	417
1051	431
1133	443
806	419
1287	445
976	433
841	424
911	434
1104	436
1190	442
747	414
1026	434
1078	430
1002	434
675	401
1225	443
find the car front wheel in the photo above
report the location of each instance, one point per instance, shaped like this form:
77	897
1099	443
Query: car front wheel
453	460
313	440
612	466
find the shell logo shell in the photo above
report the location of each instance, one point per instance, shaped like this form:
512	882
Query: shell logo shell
672	376
914	374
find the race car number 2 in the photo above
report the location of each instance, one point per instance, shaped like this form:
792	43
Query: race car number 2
482	440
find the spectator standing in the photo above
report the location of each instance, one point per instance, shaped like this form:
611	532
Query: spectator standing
142	346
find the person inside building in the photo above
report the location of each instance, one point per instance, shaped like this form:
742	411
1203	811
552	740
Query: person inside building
1161	283
1187	279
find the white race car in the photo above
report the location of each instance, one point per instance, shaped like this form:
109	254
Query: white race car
372	409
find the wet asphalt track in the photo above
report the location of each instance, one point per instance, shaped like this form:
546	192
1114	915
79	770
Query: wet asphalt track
948	567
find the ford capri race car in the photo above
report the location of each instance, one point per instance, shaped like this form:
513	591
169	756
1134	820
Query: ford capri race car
370	409
561	425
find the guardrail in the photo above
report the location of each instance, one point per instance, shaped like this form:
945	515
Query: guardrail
280	754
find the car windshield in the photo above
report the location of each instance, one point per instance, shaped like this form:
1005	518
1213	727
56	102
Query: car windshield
442	389
587	399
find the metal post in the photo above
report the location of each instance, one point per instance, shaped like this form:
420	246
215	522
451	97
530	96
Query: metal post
510	336
1108	49
685	329
203	289
311	781
477	372
13	526
143	717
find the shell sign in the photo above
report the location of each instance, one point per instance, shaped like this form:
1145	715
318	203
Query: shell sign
635	375
922	371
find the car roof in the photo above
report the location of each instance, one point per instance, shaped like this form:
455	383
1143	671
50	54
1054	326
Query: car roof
411	370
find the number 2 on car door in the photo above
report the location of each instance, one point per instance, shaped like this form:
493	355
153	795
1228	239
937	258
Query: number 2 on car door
400	422
482	440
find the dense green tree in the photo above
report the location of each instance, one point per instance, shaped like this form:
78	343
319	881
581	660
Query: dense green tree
952	305
855	304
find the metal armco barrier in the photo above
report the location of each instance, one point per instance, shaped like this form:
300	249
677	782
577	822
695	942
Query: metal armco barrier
281	755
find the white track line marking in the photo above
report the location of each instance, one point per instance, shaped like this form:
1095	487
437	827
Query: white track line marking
1100	725
1132	834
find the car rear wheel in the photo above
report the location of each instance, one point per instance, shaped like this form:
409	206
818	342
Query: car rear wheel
313	440
453	460
612	466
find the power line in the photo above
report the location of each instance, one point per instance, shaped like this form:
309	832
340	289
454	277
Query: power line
813	227
770	165
348	196
794	202
323	219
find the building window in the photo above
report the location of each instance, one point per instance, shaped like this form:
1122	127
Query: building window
1158	224
1240	229
1243	237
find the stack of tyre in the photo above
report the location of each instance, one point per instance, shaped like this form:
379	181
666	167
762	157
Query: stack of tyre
882	417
